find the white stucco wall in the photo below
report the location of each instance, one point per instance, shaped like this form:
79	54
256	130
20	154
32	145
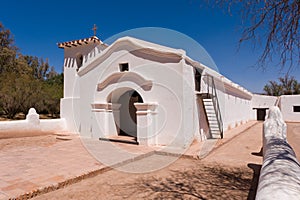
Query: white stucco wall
237	111
70	102
69	110
70	65
262	101
169	90
24	128
179	117
234	101
287	102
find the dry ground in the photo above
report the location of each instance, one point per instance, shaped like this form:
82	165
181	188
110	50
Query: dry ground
184	179
224	174
10	143
229	172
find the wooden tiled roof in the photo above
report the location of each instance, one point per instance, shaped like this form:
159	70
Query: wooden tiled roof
80	42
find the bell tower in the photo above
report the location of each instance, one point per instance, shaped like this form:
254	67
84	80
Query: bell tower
76	55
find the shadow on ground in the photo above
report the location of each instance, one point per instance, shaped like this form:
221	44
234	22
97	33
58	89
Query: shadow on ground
188	179
254	183
205	182
260	153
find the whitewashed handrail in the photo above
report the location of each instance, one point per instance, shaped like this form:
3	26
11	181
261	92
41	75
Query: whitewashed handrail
280	173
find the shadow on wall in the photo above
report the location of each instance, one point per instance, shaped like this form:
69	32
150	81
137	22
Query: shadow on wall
202	182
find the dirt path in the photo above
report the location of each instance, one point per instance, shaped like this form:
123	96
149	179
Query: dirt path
241	150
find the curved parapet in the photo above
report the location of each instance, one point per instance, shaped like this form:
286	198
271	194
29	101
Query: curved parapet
280	173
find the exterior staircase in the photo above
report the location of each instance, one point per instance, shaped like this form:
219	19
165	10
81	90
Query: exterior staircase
212	108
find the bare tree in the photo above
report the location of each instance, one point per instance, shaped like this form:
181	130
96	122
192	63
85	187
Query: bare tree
274	24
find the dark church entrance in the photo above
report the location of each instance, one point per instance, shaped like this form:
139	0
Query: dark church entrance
128	122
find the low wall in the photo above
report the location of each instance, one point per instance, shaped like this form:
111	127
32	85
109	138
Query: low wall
32	126
23	128
280	173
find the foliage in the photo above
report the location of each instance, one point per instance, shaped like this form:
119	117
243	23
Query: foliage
53	89
286	86
26	81
272	24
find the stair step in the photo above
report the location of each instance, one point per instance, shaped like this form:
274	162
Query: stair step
214	117
64	137
62	133
120	139
214	127
215	136
213	122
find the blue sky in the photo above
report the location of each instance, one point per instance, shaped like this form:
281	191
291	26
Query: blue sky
38	26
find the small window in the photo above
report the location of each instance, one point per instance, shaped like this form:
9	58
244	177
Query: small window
79	61
296	108
124	67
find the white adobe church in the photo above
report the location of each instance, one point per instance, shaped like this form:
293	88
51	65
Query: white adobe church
150	93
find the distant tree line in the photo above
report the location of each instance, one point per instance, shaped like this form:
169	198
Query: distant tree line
287	85
26	81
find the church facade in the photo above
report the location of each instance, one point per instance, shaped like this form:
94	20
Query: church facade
152	94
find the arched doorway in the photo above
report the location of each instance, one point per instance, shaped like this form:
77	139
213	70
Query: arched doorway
125	117
128	124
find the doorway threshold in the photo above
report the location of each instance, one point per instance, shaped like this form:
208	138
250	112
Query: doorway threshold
120	139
